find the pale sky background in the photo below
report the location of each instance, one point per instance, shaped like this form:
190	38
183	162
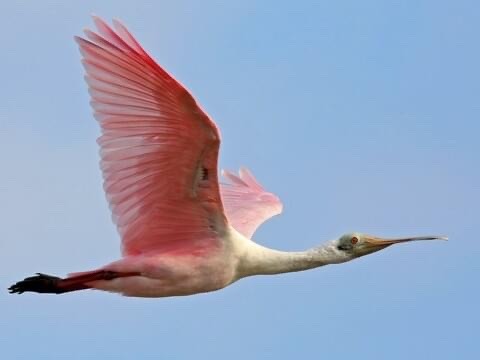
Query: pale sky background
360	115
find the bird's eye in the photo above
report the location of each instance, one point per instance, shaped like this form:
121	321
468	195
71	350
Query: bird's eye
354	240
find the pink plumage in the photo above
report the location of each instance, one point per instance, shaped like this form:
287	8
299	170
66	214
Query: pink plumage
159	153
156	147
247	203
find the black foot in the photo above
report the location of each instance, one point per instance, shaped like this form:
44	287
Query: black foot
40	283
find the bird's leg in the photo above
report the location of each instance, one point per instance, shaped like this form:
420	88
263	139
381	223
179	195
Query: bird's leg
42	283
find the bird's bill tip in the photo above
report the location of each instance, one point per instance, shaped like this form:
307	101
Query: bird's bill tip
376	241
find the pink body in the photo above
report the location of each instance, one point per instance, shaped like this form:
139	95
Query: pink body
170	275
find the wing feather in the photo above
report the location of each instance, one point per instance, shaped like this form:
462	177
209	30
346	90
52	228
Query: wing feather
155	144
247	204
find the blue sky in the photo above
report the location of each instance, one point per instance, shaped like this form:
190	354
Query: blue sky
361	116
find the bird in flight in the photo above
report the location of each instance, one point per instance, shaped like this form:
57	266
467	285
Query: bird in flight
182	232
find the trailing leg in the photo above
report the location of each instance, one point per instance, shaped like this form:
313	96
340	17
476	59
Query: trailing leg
47	284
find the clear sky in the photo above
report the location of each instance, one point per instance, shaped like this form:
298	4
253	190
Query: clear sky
360	115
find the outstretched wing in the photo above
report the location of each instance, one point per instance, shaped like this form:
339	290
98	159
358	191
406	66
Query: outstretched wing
159	149
247	204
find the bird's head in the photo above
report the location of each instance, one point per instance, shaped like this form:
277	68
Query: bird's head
355	245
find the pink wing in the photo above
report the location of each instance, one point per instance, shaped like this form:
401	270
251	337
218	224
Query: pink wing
246	203
158	148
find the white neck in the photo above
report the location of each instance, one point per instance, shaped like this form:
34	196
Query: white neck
259	260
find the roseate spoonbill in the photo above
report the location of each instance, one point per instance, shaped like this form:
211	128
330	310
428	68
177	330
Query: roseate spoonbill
182	232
